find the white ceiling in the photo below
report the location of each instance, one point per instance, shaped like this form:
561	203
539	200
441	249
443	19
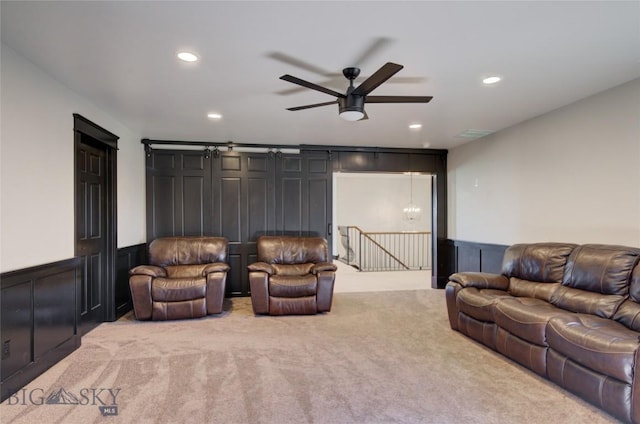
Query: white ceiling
122	56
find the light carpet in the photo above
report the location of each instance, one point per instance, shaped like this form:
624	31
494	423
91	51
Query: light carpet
378	357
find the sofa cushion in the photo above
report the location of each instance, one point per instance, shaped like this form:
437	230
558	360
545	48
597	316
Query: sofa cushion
628	314
599	344
542	262
187	250
185	271
586	302
525	288
525	317
634	286
478	303
292	250
293	285
293	269
601	268
178	289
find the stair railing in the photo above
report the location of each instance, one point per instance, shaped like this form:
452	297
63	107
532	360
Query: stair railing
385	251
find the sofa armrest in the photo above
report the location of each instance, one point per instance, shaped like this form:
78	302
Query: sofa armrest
150	270
259	285
451	291
323	266
216	286
481	280
140	286
215	267
324	295
261	267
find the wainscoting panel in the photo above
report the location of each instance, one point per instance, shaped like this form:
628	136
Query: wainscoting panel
128	258
466	256
40	319
53	322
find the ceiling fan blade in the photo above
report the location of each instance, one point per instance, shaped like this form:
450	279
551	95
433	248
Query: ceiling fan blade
376	45
335	81
298	63
406	80
311	85
398	99
380	76
313	105
364	117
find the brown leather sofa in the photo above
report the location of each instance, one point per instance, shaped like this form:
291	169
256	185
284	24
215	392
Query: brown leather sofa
569	313
185	279
293	276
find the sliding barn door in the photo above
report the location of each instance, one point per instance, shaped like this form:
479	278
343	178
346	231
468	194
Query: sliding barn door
303	195
178	194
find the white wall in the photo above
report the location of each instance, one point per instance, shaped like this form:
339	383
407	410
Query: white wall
374	202
572	175
37	168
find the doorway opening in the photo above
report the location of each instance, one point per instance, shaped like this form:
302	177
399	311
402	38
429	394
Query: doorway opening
384	238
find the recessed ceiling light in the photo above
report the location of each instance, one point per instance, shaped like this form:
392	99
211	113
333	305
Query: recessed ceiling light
415	126
214	116
491	80
187	56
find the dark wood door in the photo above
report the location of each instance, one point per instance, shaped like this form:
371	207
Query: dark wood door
91	230
304	195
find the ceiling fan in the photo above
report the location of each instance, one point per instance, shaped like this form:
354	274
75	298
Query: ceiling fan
351	104
331	78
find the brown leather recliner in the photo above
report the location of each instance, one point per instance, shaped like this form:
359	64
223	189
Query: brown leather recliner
185	279
293	276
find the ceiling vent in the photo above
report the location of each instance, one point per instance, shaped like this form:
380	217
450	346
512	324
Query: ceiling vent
474	133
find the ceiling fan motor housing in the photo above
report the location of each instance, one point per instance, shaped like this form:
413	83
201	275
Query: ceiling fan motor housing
352	102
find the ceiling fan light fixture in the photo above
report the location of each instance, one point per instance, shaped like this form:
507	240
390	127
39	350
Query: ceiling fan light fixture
352	115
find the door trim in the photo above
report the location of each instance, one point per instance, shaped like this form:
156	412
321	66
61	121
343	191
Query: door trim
109	142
